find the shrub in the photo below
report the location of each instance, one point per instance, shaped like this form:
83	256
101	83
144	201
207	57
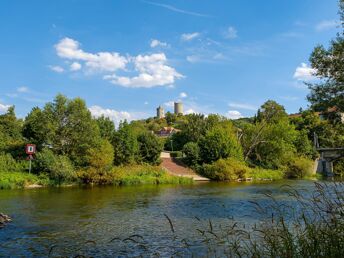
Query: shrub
225	170
192	153
8	163
176	154
299	167
58	167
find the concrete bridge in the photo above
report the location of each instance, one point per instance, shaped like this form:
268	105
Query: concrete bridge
327	157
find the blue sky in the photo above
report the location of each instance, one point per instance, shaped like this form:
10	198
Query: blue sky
127	57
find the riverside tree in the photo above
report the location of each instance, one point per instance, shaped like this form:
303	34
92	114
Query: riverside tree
328	65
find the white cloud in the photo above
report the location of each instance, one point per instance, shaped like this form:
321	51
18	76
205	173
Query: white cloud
183	95
231	33
190	36
234	114
157	43
75	66
190	111
244	106
304	73
152	69
23	89
102	61
4	108
114	115
169	104
146	103
153	72
326	25
56	68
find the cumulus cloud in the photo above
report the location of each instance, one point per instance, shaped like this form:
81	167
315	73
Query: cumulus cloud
326	25
156	43
153	71
56	68
189	36
4	108
102	61
231	33
183	95
244	106
114	115
22	89
304	73
234	114
75	66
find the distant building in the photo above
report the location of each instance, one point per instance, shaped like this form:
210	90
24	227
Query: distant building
160	113
178	108
167	131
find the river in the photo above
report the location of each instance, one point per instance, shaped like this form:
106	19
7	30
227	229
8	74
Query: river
94	221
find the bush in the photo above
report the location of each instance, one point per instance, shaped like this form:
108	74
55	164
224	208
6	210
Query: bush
176	154
192	153
12	180
58	167
8	163
265	174
225	170
299	167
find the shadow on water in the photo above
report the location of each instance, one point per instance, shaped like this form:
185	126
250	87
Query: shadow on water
74	219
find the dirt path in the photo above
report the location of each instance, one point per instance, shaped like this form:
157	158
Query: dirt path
177	169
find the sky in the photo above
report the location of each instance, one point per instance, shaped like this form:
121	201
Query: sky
127	57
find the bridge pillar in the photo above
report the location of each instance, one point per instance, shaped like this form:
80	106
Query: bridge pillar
325	167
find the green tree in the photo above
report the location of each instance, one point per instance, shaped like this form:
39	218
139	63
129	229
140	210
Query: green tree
101	157
106	127
191	152
149	148
328	64
220	142
125	144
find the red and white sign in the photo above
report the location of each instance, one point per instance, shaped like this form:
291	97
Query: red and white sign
30	149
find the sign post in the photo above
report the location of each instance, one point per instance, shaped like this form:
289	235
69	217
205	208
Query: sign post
30	149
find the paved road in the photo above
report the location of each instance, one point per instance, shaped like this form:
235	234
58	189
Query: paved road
178	169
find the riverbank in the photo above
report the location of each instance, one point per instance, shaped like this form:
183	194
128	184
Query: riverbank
125	175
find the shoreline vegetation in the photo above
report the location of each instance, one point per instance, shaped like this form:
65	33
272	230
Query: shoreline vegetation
117	176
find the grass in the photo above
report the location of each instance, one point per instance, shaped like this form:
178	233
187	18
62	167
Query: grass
265	174
145	174
17	179
126	175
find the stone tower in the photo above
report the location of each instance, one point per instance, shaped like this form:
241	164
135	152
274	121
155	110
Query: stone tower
160	113
178	108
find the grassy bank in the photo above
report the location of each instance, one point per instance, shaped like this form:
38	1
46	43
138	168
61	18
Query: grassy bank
18	179
125	175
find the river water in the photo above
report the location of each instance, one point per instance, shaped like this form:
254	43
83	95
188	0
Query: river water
95	221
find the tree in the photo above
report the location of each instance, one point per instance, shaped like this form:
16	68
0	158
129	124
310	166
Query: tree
328	66
101	157
66	126
125	144
220	142
106	127
191	152
149	148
